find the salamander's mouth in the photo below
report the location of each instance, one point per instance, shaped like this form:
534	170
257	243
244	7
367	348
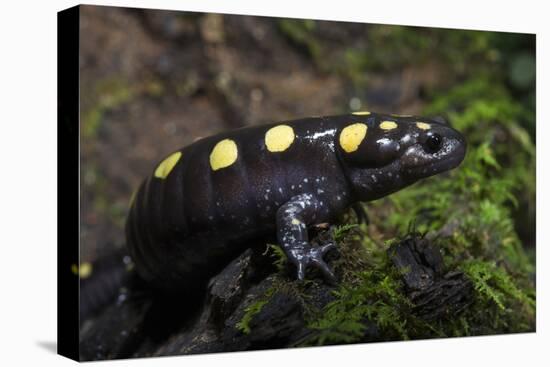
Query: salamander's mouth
417	162
442	165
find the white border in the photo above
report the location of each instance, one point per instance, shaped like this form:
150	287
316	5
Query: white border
28	189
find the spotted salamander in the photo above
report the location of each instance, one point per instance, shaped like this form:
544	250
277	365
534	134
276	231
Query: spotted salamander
201	205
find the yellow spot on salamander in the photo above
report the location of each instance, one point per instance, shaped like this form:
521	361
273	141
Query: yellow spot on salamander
361	113
224	154
164	168
296	221
351	136
84	271
423	125
388	125
279	138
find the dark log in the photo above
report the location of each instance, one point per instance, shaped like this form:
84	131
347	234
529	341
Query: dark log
143	323
434	293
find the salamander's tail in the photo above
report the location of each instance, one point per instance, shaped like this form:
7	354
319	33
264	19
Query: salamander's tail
105	282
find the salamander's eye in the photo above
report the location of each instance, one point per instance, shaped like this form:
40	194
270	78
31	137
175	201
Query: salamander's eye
433	143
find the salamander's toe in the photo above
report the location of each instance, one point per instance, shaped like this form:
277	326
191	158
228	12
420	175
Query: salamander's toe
314	256
325	269
326	248
301	270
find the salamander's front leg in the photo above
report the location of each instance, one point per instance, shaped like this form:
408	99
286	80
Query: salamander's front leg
292	220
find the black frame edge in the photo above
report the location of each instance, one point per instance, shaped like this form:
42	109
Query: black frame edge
68	132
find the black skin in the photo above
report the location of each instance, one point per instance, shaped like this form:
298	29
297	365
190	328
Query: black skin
184	228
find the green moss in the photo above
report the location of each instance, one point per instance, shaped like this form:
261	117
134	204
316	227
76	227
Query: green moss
472	213
110	94
278	255
97	192
376	296
280	284
250	312
91	122
493	284
370	295
300	32
339	232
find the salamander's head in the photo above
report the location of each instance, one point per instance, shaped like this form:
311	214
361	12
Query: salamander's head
382	154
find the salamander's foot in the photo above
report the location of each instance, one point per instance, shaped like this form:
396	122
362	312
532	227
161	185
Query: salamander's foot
306	255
